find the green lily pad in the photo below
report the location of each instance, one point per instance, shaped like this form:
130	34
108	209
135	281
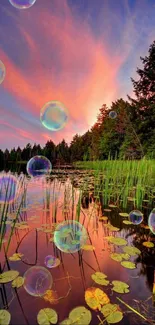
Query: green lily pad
99	278
112	313
18	282
47	316
132	251
116	257
120	287
118	241
148	244
127	222
5	317
8	276
66	321
80	316
128	265
123	214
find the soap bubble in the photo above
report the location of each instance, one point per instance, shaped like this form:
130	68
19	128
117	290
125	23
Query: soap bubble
70	236
136	217
2	71
37	280
38	166
112	114
51	261
54	115
151	221
22	4
8	188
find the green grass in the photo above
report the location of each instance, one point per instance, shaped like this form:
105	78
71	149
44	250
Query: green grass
116	179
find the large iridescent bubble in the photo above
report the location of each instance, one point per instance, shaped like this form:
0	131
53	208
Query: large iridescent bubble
22	4
8	188
2	71
38	166
136	217
37	280
112	114
54	116
70	236
151	221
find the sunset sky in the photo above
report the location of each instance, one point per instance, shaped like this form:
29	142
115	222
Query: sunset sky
79	52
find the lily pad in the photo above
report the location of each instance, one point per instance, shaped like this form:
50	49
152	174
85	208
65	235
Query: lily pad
15	257
123	214
18	282
5	317
118	241
132	251
99	278
104	218
112	313
116	257
120	287
47	316
80	315
66	321
127	222
112	228
128	265
8	276
88	247
95	298
148	244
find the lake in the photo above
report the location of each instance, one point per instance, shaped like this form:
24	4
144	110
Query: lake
46	203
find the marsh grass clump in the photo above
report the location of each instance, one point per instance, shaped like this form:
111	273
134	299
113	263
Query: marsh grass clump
117	180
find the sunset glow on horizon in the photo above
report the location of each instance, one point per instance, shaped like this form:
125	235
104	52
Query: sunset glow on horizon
80	53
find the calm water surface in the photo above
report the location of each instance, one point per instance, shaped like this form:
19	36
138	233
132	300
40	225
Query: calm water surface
35	246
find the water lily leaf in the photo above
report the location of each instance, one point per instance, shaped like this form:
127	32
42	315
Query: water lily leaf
5	317
128	265
127	222
125	256
107	210
47	316
112	228
112	206
108	309
120	287
104	218
116	257
99	278
118	241
51	296
95	298
132	251
123	214
16	257
114	316
148	244
88	247
8	276
80	315
18	282
75	242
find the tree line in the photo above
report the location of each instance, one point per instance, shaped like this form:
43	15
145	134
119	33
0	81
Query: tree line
131	135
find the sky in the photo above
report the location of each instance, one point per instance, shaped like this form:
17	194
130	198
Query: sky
79	52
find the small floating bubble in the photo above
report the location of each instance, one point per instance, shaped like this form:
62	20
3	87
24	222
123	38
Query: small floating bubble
38	166
151	221
112	114
22	4
136	217
51	261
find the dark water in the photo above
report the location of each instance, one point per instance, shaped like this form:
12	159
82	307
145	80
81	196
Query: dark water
73	276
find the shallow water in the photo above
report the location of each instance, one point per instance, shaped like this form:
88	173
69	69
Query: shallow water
73	277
